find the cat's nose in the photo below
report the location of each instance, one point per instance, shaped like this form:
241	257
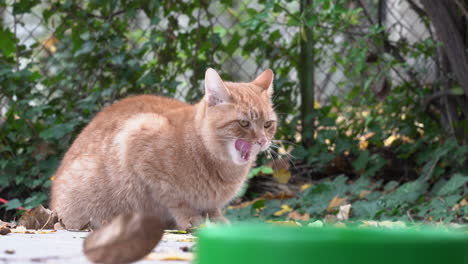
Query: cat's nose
262	142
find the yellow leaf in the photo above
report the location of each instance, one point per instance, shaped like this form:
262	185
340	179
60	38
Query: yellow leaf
50	44
282	175
171	256
175	232
336	201
388	142
363	144
305	186
284	209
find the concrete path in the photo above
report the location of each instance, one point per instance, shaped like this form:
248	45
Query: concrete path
66	247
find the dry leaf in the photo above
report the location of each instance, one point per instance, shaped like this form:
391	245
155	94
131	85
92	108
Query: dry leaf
284	209
24	230
335	202
39	218
459	205
298	217
175	256
4	230
364	193
282	175
7	224
343	214
127	238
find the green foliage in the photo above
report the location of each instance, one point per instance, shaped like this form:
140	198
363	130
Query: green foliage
412	201
99	53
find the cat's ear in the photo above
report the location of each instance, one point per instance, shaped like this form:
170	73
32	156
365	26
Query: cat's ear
215	90
265	81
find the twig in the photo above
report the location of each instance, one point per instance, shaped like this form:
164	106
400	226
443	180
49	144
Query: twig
408	213
462	8
436	95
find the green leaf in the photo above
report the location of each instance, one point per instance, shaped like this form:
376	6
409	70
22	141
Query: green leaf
453	185
7	42
13	204
457	91
361	162
390	185
366	209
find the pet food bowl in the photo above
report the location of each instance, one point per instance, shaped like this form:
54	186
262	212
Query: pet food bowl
270	244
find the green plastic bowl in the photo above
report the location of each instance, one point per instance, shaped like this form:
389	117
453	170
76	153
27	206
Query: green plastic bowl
263	243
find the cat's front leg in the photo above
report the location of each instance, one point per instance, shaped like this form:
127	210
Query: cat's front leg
217	216
186	218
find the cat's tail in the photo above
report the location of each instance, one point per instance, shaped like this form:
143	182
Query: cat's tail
127	238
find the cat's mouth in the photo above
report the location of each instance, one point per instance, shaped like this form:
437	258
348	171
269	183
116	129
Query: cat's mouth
244	148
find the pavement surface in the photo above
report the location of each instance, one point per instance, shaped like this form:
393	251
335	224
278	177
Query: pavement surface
66	247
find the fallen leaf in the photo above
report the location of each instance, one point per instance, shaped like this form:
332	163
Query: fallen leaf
295	215
9	251
175	231
282	175
364	193
7	224
178	237
343	213
39	218
305	186
19	229
127	238
170	256
186	249
335	202
284	209
4	230
24	230
459	205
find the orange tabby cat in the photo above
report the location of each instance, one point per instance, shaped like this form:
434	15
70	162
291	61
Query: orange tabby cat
164	157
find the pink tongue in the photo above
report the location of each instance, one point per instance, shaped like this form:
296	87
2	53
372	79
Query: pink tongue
243	145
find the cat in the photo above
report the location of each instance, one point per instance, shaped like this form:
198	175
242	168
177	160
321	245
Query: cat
160	156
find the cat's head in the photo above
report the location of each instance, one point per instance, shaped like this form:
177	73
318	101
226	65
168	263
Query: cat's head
239	119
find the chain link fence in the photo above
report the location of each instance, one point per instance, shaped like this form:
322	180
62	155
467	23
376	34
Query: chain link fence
401	18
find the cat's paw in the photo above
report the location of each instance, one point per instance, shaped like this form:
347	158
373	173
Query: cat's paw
190	222
219	219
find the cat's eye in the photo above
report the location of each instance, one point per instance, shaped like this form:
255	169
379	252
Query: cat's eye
267	124
244	123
